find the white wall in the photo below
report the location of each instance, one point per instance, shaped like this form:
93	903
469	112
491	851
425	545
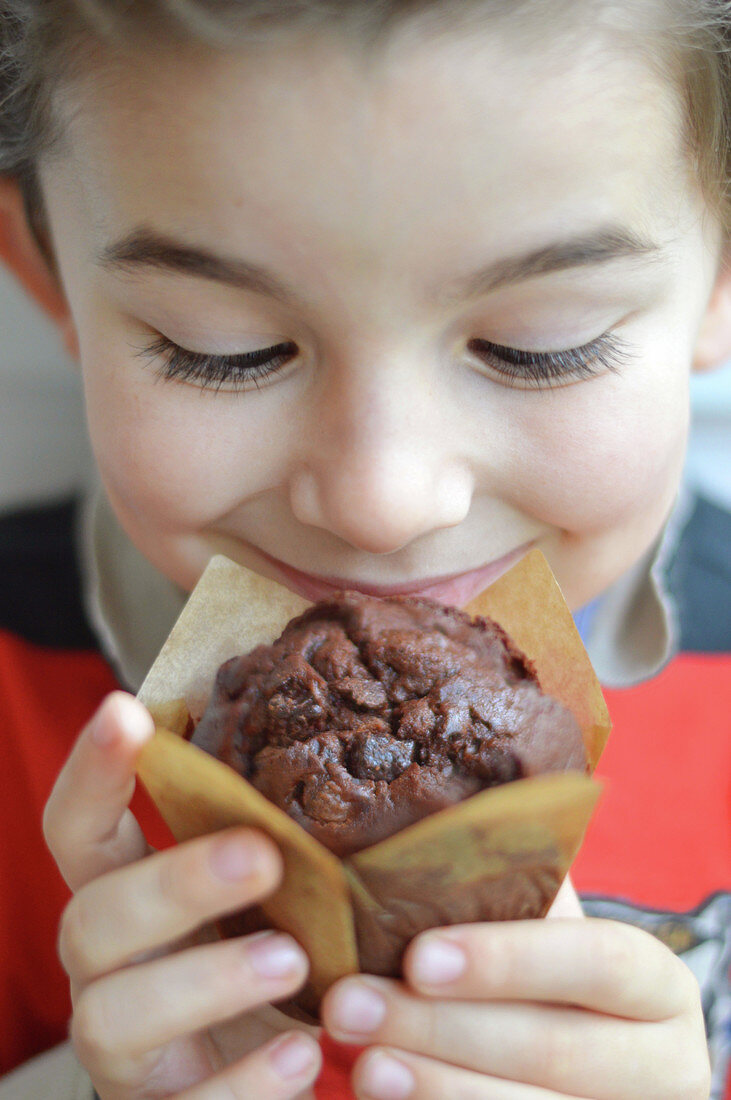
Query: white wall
44	450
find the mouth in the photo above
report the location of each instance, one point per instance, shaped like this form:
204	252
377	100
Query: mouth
453	590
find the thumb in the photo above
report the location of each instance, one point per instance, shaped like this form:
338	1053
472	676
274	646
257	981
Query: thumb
87	822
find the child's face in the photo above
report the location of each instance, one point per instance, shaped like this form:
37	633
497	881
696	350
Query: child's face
388	446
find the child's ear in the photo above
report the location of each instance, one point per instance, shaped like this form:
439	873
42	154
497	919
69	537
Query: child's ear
21	253
713	347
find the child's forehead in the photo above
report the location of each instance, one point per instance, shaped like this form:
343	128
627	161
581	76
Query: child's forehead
480	126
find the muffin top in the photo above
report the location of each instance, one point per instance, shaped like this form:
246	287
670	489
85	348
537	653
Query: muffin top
368	714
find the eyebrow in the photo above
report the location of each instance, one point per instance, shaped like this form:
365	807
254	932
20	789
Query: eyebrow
597	247
144	248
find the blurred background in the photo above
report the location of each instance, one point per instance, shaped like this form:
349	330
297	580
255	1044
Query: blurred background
44	452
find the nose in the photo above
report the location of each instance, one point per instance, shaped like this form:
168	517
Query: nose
381	468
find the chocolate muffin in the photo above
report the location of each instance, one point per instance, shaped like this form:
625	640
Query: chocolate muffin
368	714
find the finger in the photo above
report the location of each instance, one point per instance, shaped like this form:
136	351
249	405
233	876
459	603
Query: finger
277	1071
574	1052
183	994
384	1074
87	823
158	901
598	964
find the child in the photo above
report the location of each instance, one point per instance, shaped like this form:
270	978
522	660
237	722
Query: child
372	296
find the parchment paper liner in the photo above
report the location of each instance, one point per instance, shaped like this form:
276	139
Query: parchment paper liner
500	854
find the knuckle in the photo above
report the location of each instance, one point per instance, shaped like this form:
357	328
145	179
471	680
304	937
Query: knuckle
688	987
424	1030
48	823
468	1090
181	884
506	965
612	952
73	938
190	888
53	832
230	1086
554	1054
500	965
680	1048
90	1031
411	1022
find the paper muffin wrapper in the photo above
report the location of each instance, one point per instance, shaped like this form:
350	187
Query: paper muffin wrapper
501	854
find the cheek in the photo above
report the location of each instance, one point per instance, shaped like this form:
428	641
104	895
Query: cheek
175	453
596	453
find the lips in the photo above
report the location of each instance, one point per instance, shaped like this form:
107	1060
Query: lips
453	590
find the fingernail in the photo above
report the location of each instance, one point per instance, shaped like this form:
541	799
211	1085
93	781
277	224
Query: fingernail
358	1009
292	1056
274	956
384	1078
436	961
233	859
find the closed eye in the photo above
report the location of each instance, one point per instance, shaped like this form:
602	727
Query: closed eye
232	372
549	368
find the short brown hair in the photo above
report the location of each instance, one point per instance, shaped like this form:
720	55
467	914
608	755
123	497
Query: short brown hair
40	44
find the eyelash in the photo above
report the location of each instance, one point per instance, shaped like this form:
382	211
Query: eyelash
544	368
532	368
215	371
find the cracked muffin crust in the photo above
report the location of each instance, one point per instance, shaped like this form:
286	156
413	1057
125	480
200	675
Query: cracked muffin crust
368	714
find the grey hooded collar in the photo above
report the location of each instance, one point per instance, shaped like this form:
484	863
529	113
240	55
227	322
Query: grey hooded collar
131	606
